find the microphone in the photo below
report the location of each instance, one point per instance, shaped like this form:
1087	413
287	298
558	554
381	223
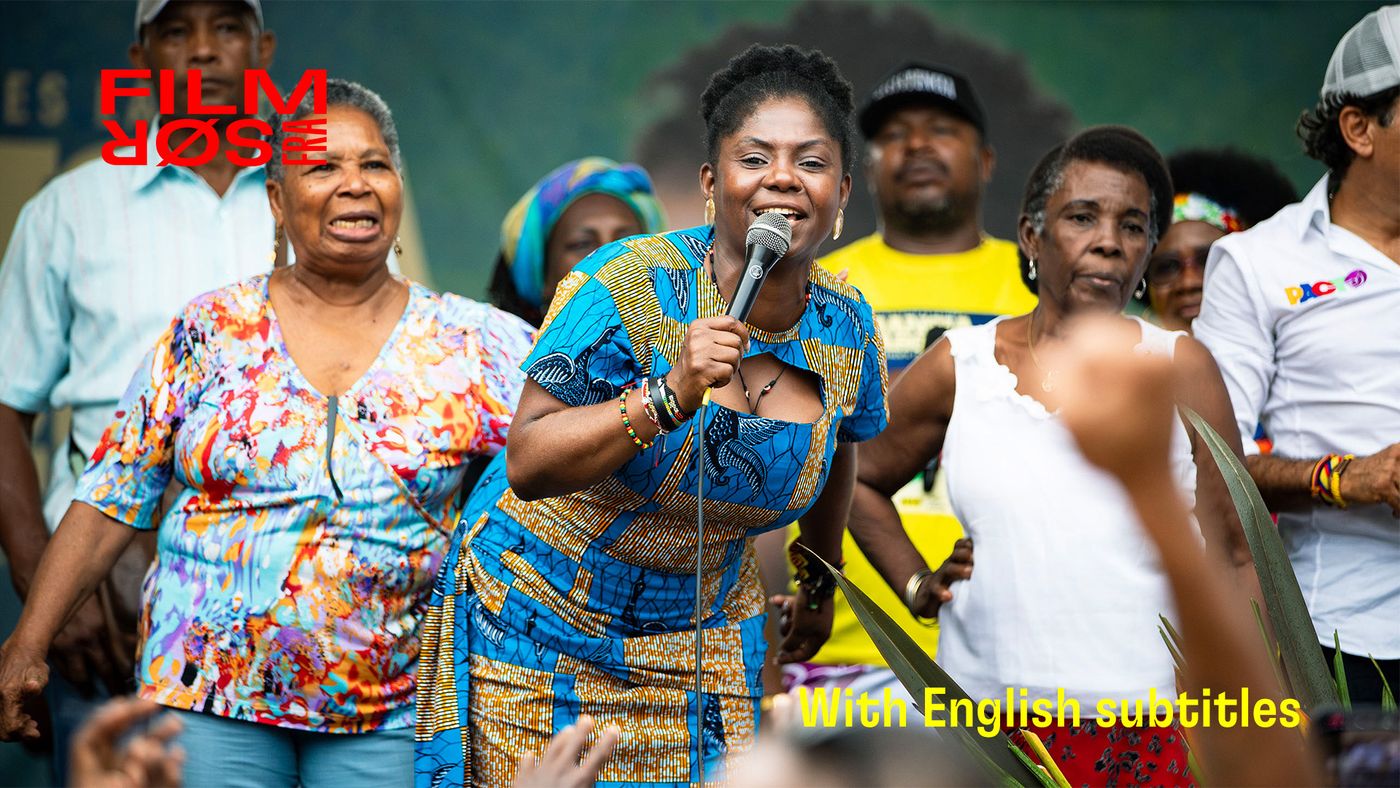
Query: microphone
765	244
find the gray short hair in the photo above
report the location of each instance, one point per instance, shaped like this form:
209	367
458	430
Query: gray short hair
339	93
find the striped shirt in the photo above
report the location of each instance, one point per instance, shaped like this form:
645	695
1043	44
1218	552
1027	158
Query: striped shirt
100	261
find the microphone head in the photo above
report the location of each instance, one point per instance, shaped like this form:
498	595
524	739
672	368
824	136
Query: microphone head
772	231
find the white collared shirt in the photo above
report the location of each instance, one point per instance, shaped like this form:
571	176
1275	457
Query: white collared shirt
1303	318
101	260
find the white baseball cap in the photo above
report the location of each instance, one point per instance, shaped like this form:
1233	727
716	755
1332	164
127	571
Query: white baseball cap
1367	59
148	10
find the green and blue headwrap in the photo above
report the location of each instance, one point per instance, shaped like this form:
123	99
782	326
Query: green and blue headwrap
525	231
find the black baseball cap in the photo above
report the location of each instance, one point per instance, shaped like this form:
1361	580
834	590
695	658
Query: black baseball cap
921	83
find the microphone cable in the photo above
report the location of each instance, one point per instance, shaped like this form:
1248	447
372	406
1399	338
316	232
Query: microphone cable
698	430
772	233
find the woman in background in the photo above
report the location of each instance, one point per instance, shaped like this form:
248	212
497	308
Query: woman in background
1066	590
1218	192
573	210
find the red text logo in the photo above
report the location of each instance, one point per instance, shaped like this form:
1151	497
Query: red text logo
247	137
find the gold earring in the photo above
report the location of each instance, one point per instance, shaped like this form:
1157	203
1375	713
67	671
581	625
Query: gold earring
709	210
840	223
398	247
276	242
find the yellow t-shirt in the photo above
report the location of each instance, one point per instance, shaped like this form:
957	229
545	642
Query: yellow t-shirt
913	296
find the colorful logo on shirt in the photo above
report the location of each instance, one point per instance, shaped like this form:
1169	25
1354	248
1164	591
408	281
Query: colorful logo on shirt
1307	292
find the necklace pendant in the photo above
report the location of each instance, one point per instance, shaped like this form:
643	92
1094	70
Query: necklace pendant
1048	384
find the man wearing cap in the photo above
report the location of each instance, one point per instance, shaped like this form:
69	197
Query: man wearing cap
929	267
1302	313
99	262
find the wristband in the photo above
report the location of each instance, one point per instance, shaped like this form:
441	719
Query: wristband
668	407
911	588
1325	483
656	398
815	580
649	407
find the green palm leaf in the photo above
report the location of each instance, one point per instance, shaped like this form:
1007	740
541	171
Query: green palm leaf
1297	638
918	672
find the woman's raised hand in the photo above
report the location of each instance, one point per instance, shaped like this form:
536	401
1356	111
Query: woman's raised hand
1117	403
711	353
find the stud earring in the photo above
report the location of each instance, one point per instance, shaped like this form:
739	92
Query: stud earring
1030	272
840	223
1141	289
398	247
709	210
276	242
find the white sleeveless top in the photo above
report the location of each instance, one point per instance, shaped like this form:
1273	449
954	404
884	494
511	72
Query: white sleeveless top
1066	588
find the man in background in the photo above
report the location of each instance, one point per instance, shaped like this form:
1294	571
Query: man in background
1302	313
928	268
99	263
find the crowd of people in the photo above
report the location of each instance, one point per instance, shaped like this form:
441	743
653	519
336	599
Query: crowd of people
349	530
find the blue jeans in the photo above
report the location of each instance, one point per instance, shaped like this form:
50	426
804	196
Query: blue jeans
69	708
225	753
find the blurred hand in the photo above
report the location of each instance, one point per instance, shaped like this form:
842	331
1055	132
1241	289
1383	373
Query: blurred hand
560	767
711	353
936	591
1374	479
84	651
100	759
23	674
803	631
1117	403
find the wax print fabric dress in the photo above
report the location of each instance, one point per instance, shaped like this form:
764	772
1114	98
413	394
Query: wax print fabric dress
293	570
583	603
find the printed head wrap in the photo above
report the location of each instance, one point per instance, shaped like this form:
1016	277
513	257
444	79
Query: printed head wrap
1194	207
525	231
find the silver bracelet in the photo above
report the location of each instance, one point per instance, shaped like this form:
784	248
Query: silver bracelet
911	588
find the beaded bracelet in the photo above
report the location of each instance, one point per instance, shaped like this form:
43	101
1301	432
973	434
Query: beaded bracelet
812	577
627	423
1326	481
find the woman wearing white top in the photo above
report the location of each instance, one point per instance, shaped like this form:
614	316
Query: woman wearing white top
1067	590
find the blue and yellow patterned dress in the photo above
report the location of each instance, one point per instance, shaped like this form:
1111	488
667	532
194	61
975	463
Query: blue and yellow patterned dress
583	604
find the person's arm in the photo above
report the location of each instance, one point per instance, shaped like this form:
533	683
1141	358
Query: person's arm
1118	405
556	448
1235	326
79	556
805	626
921	404
1286	485
22	530
35	319
1200	387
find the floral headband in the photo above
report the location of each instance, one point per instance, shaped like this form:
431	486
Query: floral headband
1193	207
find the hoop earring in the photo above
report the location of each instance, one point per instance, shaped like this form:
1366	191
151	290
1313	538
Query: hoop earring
276	242
1141	289
1030	272
709	210
840	223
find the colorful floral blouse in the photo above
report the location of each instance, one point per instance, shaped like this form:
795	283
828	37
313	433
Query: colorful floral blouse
294	568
